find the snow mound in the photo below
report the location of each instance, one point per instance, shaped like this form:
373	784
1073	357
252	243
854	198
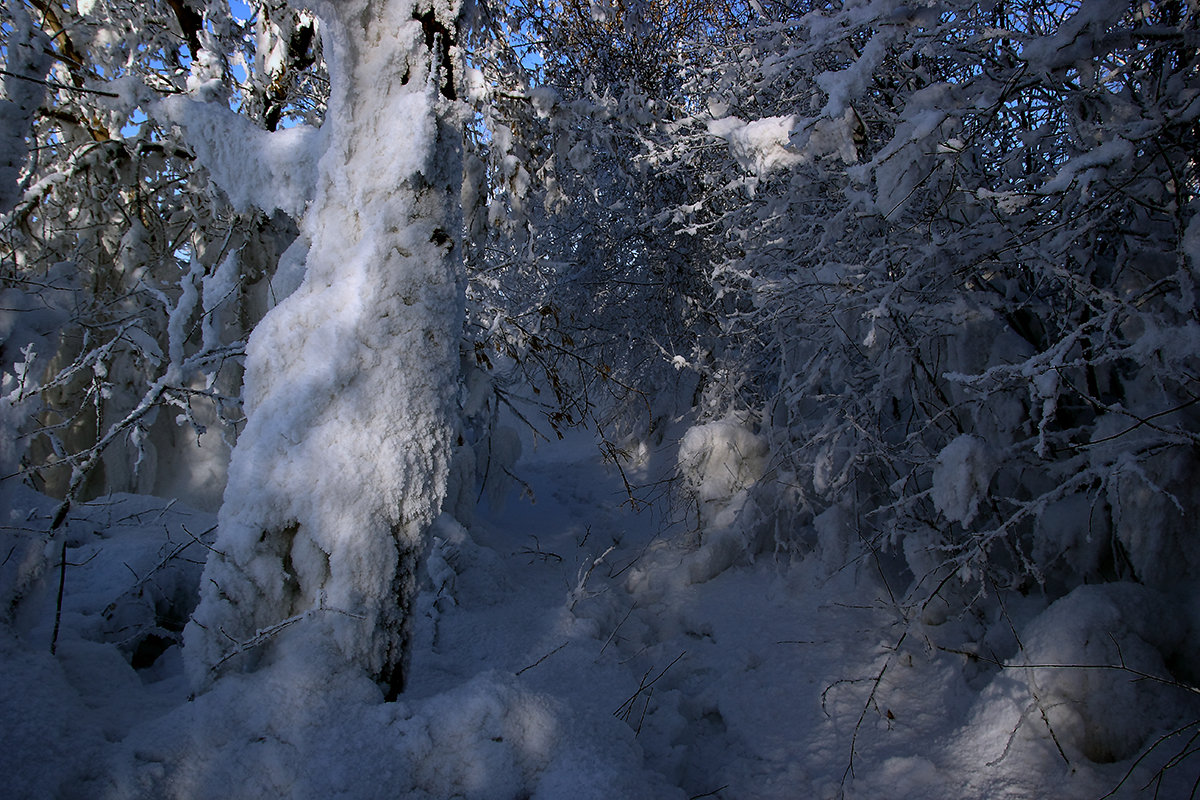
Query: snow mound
721	460
1081	681
132	565
961	476
302	728
720	463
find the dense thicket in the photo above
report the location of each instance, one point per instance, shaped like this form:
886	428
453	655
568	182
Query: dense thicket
957	248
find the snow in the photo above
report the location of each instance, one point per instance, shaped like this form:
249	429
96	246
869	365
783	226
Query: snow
1082	169
26	322
961	476
842	85
272	171
216	289
722	459
564	649
1100	712
759	146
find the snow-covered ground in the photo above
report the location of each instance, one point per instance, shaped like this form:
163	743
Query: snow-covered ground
571	648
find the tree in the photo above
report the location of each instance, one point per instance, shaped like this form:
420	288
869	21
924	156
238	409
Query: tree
150	196
351	381
152	279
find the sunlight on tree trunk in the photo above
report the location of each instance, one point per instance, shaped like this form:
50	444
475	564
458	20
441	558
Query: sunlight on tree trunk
351	381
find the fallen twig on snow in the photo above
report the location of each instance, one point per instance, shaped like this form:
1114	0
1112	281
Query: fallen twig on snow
625	709
543	658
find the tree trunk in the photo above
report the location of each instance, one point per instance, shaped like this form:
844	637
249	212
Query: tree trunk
351	381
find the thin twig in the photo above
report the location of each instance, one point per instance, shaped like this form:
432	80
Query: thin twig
870	701
540	660
201	541
62	581
1122	667
162	563
57	85
261	636
264	635
608	641
625	709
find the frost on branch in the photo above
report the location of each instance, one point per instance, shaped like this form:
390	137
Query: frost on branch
351	380
26	65
272	171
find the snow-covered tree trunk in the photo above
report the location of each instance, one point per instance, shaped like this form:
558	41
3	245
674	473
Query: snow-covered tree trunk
351	381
